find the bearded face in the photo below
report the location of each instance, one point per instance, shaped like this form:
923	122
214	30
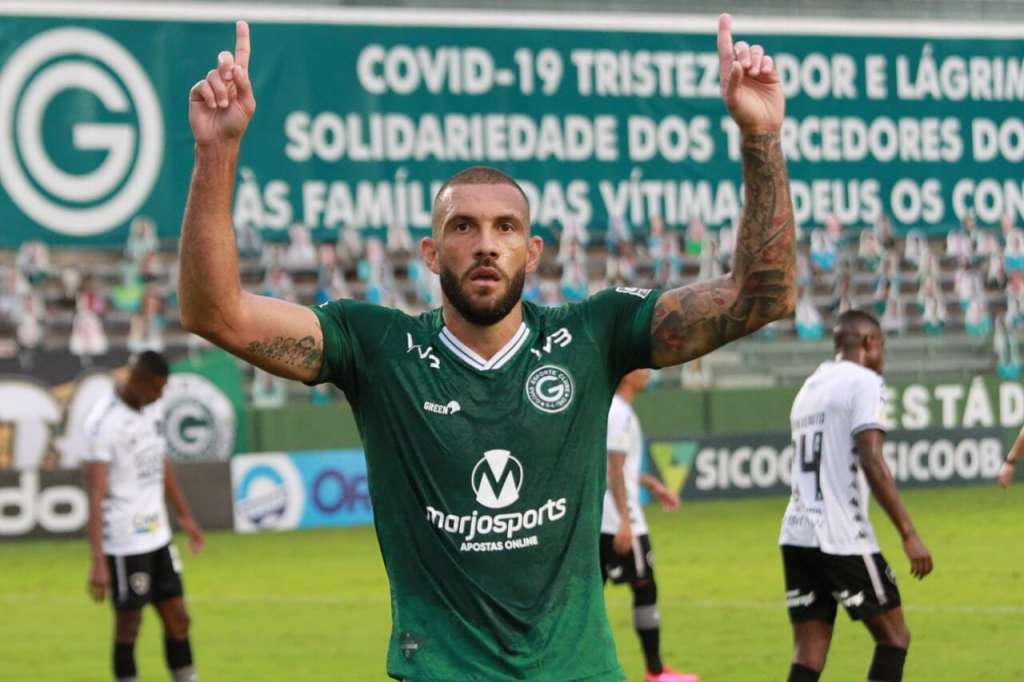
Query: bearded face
484	294
482	249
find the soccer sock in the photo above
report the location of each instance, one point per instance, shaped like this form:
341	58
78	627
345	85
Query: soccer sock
887	665
647	621
650	640
800	673
178	653
124	662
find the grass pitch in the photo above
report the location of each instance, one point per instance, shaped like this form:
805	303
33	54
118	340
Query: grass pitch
313	605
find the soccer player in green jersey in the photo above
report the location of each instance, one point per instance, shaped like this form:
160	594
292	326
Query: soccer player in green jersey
484	421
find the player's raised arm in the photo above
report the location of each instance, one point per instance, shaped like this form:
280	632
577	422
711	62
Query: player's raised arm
883	487
696	319
281	337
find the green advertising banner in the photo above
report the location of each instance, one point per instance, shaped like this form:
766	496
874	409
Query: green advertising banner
362	113
743	465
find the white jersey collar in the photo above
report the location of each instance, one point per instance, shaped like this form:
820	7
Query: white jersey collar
474	360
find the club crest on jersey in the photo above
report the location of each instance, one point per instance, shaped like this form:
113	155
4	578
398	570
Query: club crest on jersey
139	583
550	389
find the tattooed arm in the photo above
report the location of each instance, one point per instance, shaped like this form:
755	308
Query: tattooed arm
696	319
280	337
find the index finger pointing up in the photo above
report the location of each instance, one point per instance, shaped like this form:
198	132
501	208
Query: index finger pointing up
724	46
242	44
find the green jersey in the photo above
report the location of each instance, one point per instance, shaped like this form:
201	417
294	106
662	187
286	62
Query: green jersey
487	479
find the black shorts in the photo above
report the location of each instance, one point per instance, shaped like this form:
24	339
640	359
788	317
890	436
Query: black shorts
627	568
816	583
140	579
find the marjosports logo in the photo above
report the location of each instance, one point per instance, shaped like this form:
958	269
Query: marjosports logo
268	492
496	481
200	419
497	478
550	389
128	131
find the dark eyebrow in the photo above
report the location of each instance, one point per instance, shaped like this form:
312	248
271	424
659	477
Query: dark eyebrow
460	217
503	218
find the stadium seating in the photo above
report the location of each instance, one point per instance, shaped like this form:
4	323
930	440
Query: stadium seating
927	295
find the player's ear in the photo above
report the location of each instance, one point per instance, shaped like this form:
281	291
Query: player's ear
534	248
428	249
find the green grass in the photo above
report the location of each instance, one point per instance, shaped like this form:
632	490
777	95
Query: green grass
313	605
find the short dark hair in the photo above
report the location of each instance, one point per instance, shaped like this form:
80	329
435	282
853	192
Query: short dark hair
152	363
479	175
852	326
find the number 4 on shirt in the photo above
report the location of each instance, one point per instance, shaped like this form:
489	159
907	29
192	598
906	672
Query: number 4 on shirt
810	462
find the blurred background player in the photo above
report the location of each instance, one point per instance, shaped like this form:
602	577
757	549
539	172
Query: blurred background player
829	551
129	478
626	555
1006	472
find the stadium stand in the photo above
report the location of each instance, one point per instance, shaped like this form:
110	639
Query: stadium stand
937	298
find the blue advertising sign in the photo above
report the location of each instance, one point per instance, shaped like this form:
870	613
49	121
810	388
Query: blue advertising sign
310	489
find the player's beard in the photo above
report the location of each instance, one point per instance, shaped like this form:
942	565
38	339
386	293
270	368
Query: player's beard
481	314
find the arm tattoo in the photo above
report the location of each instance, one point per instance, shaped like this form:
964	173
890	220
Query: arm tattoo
696	319
302	352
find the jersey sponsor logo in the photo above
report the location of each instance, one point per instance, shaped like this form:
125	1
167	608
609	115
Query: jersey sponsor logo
425	353
560	339
409	643
200	420
452	407
634	291
550	389
33	81
474	525
848	599
139	583
149	462
144	524
497	478
794	599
